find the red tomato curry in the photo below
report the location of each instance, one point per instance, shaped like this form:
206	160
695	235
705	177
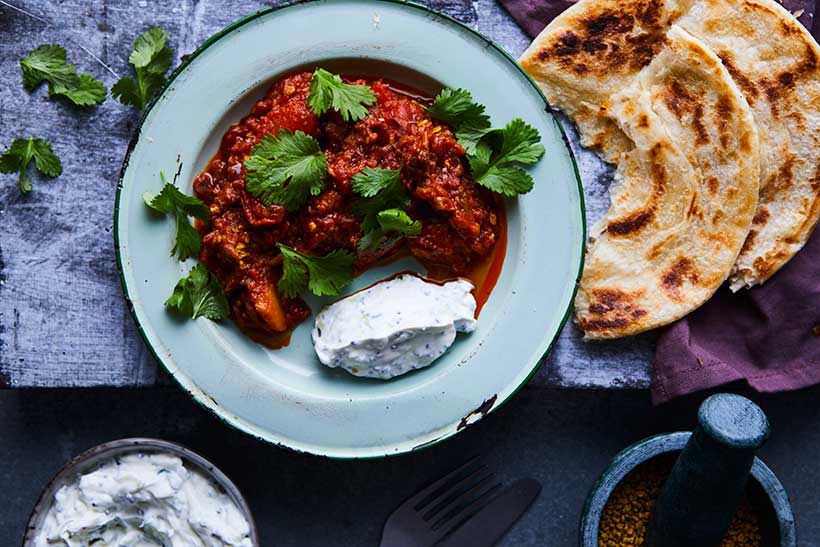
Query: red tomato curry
463	234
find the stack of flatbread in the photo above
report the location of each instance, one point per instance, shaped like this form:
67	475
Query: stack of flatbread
710	110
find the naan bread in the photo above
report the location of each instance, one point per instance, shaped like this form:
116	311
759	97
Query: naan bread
596	46
658	103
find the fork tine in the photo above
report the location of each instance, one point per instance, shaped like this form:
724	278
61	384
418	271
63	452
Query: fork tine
430	493
466	506
457	491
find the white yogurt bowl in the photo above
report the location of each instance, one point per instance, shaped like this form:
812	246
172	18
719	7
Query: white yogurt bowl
95	457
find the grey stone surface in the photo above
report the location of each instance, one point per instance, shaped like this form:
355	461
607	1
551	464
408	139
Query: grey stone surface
562	438
63	321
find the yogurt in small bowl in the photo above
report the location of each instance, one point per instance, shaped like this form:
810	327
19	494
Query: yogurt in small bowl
141	492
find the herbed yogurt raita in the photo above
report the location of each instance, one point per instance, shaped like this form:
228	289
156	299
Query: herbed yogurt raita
395	326
143	500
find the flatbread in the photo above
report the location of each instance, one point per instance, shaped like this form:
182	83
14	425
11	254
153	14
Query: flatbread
596	46
776	63
658	103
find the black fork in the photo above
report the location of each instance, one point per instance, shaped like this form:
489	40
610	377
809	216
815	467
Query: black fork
431	514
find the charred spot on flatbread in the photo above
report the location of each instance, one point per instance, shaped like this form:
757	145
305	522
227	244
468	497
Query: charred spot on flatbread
612	309
681	271
623	39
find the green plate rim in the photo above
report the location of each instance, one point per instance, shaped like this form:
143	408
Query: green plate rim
540	354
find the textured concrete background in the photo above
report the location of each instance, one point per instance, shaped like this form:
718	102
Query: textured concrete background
63	321
563	438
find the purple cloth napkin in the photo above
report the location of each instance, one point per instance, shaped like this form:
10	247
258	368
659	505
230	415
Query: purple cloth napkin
768	336
534	15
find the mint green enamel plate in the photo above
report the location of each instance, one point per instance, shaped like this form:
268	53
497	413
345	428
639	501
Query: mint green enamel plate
285	396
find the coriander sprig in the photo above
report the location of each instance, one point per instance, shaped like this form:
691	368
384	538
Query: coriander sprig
323	275
18	156
286	169
496	155
495	164
151	59
199	295
456	107
171	201
382	205
328	91
48	63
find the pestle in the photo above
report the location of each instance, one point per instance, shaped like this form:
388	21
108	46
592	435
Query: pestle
703	490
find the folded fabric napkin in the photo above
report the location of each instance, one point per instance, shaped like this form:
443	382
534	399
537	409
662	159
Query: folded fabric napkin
768	336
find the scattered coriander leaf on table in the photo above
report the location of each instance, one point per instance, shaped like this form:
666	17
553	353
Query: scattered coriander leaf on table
87	91
171	201
48	63
148	46
323	275
496	162
199	295
18	156
330	91
286	169
151	59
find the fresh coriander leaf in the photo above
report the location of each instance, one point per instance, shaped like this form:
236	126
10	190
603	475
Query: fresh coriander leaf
508	181
45	160
161	63
147	46
48	63
381	189
520	143
86	92
10	160
151	59
470	135
397	220
199	295
329	91
456	107
369	181
170	198
171	201
19	155
497	168
286	169
330	273
208	300
323	275
128	92
382	192
480	160
294	278
188	241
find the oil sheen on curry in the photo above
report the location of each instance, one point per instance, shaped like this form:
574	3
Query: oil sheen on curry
443	209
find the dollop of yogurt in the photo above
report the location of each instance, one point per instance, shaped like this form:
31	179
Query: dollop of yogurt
395	326
143	500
